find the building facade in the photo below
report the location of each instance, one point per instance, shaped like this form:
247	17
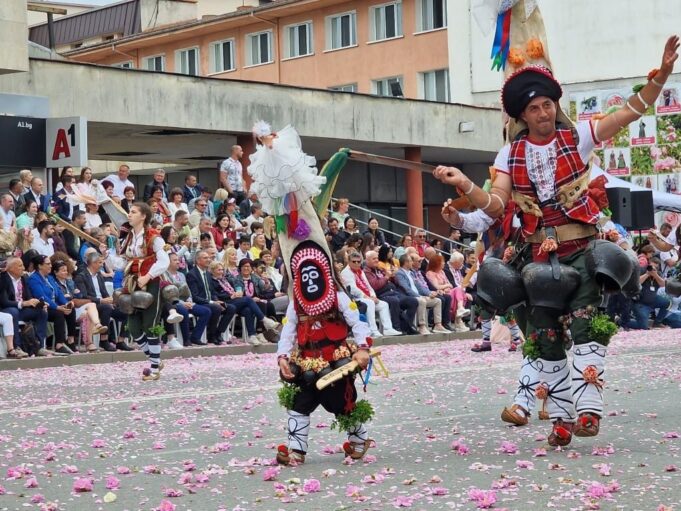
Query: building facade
388	48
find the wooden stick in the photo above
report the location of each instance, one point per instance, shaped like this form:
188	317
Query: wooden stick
70	227
343	371
391	162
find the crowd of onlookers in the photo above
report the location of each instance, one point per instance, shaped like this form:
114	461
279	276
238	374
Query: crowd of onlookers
653	302
56	287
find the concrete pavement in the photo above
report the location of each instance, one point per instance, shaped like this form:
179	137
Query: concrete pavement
203	436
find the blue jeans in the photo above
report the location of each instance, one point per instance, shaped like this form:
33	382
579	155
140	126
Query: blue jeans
673	319
246	307
642	313
202	313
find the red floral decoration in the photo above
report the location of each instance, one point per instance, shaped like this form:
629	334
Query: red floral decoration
590	375
516	57
542	391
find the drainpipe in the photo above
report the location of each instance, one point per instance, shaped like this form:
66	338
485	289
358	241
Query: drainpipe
50	31
277	43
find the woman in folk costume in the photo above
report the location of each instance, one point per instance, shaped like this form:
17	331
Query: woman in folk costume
545	169
144	258
320	315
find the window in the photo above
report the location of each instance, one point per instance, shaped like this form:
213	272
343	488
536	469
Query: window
259	48
156	63
430	14
124	65
350	87
222	55
391	87
298	40
341	31
187	61
386	21
436	85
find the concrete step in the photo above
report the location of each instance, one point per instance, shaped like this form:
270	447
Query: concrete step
202	351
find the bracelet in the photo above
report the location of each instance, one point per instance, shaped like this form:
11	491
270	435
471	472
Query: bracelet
640	98
489	201
633	109
501	201
655	82
471	189
280	357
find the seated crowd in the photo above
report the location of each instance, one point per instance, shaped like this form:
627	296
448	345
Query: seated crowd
56	288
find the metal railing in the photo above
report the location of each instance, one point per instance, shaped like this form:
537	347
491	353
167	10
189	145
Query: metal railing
412	228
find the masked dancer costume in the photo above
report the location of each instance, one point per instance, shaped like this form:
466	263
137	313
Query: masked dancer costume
545	170
320	315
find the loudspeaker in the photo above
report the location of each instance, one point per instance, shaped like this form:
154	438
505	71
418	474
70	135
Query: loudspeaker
620	205
642	210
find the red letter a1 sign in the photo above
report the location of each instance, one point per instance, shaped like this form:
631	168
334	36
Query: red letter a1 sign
66	142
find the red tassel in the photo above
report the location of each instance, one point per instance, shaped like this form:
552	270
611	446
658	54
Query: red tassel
349	401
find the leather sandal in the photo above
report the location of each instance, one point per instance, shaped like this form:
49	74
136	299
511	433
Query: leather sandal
588	424
509	415
357	451
288	457
561	434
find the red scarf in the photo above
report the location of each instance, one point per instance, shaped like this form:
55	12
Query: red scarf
361	284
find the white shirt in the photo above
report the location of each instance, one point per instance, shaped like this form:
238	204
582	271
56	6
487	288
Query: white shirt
289	334
542	160
43	247
174	209
241	255
8	219
95	283
119	185
135	250
92	220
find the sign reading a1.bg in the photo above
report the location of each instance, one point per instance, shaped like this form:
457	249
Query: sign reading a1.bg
66	142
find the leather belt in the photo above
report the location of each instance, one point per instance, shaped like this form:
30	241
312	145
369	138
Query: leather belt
567	232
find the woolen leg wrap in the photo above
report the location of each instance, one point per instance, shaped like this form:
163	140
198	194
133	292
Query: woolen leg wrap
358	434
528	379
486	330
588	395
298	430
556	376
154	353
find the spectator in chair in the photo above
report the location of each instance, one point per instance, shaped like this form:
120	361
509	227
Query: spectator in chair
17	301
92	287
60	311
185	308
357	285
245	305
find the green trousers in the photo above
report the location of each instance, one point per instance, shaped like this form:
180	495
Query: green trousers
539	319
141	320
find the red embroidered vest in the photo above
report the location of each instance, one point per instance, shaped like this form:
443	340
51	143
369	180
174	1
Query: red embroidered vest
141	265
569	167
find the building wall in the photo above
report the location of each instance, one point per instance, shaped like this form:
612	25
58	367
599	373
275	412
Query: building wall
405	56
588	41
13	34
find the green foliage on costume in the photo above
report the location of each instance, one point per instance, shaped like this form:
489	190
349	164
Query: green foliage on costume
361	414
331	171
287	394
156	330
530	349
601	329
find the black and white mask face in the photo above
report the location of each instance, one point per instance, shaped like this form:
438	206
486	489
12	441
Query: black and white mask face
313	286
